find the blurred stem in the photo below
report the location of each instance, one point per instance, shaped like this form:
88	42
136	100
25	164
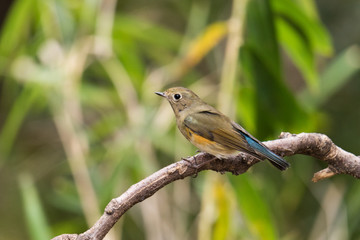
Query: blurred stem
76	151
235	40
103	49
199	13
157	209
332	218
69	121
104	27
225	101
125	89
114	68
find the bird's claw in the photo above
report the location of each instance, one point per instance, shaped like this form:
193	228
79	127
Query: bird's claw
195	165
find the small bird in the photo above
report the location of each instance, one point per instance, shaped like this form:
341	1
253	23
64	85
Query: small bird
213	132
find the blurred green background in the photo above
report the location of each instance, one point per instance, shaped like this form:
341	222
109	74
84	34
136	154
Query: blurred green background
80	123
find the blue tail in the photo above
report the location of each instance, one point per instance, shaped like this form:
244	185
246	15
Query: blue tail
264	152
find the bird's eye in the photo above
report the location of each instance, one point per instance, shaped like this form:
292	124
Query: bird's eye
177	96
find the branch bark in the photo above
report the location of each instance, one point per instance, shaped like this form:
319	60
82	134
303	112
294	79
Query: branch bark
313	144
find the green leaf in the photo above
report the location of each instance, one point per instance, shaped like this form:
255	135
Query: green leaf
299	51
34	213
131	56
254	208
28	96
158	42
303	36
222	197
306	23
261	66
337	73
16	27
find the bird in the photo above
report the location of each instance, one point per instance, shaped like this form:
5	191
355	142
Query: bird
213	132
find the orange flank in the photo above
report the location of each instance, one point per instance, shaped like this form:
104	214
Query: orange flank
197	139
206	145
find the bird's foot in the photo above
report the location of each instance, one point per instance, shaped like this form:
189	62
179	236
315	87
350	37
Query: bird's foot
193	164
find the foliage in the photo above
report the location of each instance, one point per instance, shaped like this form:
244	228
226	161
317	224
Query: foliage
80	122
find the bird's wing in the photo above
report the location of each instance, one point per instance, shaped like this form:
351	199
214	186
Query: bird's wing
218	128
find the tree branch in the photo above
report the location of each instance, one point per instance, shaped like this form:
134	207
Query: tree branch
313	144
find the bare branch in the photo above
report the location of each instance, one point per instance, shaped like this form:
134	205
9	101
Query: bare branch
313	144
322	174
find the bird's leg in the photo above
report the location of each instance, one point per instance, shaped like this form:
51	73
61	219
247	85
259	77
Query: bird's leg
191	164
195	165
197	151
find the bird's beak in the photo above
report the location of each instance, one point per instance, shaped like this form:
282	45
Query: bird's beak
161	94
